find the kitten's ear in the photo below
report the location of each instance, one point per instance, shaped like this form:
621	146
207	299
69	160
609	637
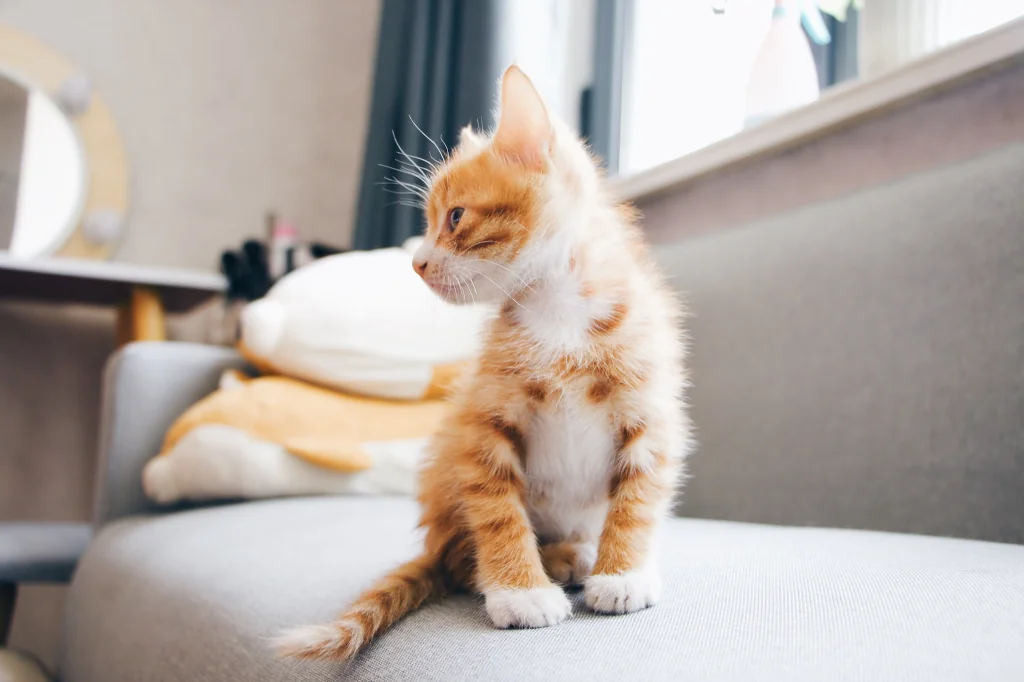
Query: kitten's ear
525	131
470	143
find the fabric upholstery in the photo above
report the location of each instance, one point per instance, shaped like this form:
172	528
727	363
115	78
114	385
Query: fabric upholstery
146	387
859	363
193	596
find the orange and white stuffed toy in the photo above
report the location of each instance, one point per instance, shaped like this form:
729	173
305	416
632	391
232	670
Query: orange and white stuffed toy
277	436
357	357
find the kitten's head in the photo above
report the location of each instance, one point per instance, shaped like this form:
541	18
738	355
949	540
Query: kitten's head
506	207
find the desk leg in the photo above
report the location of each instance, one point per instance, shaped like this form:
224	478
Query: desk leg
8	595
142	318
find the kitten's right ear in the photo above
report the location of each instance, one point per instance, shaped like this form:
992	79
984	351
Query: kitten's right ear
470	143
525	131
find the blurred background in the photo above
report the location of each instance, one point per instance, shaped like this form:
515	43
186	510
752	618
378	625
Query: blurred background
196	151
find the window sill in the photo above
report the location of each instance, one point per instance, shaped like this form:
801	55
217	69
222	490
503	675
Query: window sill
839	107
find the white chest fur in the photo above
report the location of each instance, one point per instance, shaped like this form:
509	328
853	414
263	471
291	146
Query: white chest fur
558	318
569	444
568	469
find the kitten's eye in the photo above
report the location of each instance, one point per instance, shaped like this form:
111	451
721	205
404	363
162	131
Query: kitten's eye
454	216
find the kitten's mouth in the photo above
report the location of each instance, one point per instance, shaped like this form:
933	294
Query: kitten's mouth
451	289
444	289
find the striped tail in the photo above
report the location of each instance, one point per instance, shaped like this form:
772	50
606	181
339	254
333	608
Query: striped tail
394	596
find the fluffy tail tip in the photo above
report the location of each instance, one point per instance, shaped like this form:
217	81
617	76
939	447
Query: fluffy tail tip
337	641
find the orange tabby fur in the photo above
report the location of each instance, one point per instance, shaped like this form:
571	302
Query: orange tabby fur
566	445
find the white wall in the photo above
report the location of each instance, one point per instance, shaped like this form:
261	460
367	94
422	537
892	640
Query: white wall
227	108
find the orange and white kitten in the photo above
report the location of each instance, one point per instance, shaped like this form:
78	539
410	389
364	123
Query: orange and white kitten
566	445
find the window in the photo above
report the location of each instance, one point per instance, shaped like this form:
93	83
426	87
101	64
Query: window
897	31
684	76
673	76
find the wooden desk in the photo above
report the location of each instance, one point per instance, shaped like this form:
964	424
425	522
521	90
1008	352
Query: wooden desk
141	294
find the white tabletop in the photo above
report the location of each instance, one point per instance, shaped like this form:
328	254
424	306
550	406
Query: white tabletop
66	280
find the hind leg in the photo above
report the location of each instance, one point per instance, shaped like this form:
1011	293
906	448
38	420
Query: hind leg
567	562
458	564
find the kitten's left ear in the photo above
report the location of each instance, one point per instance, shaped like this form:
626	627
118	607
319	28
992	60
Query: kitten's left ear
525	131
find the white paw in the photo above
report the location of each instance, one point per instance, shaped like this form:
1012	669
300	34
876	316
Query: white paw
538	607
624	593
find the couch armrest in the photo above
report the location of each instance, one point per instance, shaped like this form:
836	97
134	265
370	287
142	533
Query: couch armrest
146	387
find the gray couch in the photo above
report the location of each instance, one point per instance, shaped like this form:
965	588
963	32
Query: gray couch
859	394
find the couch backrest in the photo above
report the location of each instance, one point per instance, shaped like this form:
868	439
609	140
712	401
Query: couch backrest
860	363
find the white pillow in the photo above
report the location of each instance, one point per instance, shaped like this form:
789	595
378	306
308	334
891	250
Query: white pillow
361	322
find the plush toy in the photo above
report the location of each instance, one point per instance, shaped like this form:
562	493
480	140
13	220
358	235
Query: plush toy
357	355
276	436
362	322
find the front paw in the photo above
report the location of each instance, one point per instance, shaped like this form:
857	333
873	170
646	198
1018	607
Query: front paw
623	593
537	607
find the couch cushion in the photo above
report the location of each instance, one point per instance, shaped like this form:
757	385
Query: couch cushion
193	596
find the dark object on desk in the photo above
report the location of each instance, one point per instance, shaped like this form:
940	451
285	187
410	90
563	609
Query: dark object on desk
321	250
248	270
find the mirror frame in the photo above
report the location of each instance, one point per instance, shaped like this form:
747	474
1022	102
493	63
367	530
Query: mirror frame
31	61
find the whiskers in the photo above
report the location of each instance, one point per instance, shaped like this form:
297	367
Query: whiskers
461	278
413	174
522	280
464	266
431	141
496	285
458	280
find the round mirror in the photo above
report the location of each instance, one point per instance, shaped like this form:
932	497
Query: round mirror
43	172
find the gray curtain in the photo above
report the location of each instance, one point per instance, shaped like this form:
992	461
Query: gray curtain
436	63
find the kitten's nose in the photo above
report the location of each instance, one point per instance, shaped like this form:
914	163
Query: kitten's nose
419	265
